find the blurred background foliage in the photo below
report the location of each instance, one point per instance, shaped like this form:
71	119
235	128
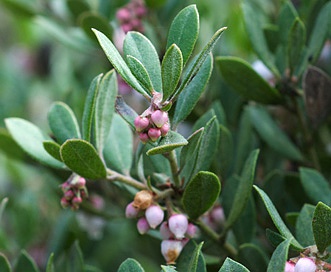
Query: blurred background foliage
48	54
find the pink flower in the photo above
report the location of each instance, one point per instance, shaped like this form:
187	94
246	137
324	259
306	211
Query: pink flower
289	266
141	123
131	211
165	129
154	216
171	249
154	134
178	224
305	265
159	118
142	225
165	231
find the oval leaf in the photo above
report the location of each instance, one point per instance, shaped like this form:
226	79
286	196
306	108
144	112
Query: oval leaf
53	149
63	122
30	138
81	157
172	66
201	193
184	31
322	227
244	80
303	226
139	47
130	265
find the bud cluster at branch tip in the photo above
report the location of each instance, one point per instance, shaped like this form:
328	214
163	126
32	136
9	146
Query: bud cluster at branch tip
74	192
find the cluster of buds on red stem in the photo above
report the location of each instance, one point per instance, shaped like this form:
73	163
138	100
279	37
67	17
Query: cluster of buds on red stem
74	192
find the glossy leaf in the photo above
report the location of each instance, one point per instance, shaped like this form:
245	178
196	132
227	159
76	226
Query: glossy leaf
119	148
243	191
246	81
315	185
184	31
303	226
127	113
191	258
321	226
4	264
81	157
279	257
119	64
53	149
192	92
89	108
30	139
272	134
256	36
139	47
171	69
130	265
105	107
63	122
201	193
280	225
25	263
168	143
231	265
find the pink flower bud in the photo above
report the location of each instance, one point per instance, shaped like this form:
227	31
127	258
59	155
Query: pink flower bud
178	224
159	118
142	225
123	15
154	216
141	11
289	266
217	215
141	123
69	194
191	230
80	183
171	249
143	137
64	202
305	265
154	134
126	27
131	211
165	231
77	200
165	129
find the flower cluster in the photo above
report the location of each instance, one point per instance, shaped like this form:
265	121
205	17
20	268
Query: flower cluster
130	16
74	191
175	232
152	125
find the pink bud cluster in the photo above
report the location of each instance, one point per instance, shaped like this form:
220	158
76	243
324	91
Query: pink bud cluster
152	125
215	217
74	191
130	16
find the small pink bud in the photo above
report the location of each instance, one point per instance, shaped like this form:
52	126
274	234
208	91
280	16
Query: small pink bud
131	211
289	266
217	215
141	123
123	15
191	230
141	11
159	118
126	27
178	224
142	225
165	129
69	194
154	216
305	265
143	137
64	203
171	249
165	231
77	200
80	183
154	134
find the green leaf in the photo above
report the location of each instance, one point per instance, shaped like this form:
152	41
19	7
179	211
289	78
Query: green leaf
50	264
18	8
168	143
171	70
89	108
140	72
127	113
77	7
184	31
130	265
168	268
53	149
315	185
225	151
119	148
119	64
90	19
243	191
303	226
139	47
296	44
253	257
75	259
198	62
81	157
246	81
63	122
256	36
279	257
30	139
26	263
280	225
230	265
272	134
4	264
192	92
201	193
191	258
322	227
3	205
8	145
104	109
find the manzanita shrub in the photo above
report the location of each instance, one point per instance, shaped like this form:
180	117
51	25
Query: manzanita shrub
272	211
